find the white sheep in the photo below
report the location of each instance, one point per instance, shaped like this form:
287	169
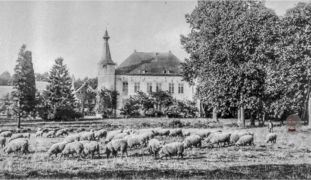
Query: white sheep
6	134
61	132
91	147
26	135
111	135
116	145
147	135
234	138
154	146
244	140
57	148
175	148
2	141
89	136
100	134
50	134
120	136
162	132
186	133
137	140
72	138
193	140
176	132
39	133
80	130
271	137
16	136
72	148
220	138
17	145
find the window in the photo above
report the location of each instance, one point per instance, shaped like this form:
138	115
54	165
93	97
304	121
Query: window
149	87
136	87
180	88
171	88
125	88
158	87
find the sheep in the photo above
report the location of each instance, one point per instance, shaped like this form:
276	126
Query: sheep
17	145
193	140
243	133
154	146
147	135
92	130
16	136
111	135
175	148
2	141
120	136
116	145
72	138
89	136
26	135
6	134
128	136
234	138
39	133
50	134
80	130
90	147
271	137
57	148
136	140
141	131
220	137
176	132
72	148
244	140
162	132
39	129
100	134
61	132
210	136
128	131
186	133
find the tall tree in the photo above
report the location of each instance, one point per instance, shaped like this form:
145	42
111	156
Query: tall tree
229	44
5	78
24	85
59	94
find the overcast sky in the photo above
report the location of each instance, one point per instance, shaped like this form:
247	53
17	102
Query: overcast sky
74	30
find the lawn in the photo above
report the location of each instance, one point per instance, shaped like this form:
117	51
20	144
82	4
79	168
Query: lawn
290	158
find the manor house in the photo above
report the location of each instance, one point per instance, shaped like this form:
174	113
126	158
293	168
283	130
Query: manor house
142	71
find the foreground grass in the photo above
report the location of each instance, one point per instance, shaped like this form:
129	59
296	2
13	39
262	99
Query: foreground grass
289	158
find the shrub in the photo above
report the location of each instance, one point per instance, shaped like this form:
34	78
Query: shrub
176	123
145	124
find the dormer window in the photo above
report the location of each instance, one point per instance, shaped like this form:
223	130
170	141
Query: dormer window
143	71
167	72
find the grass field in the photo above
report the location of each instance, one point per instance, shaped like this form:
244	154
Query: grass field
289	158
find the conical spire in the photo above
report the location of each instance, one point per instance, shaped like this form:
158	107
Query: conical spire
106	56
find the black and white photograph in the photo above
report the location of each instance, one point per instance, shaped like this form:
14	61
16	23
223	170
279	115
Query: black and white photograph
134	89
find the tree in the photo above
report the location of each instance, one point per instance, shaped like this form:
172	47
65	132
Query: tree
24	85
229	44
108	102
42	77
59	95
5	78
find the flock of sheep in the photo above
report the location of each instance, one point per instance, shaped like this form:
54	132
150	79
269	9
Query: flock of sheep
87	143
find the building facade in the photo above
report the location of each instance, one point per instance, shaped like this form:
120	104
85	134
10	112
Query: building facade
142	71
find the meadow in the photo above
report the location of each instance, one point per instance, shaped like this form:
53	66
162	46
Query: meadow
289	158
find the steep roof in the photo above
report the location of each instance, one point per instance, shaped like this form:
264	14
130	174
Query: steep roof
150	63
106	56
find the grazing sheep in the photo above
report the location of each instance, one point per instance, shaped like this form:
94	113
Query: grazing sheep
136	140
50	134
176	132
193	140
92	130
100	134
147	135
244	140
176	148
61	132
72	138
6	134
90	147
120	136
234	138
186	133
89	136
116	145
128	131
39	129
209	137
80	130
162	132
271	137
39	133
57	148
72	148
2	141
16	136
243	133
17	145
111	135
154	146
220	138
26	135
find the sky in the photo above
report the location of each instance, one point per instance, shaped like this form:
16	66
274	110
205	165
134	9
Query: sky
73	30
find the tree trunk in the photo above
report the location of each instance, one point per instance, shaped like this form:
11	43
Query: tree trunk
215	117
263	119
253	116
19	117
239	116
243	116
